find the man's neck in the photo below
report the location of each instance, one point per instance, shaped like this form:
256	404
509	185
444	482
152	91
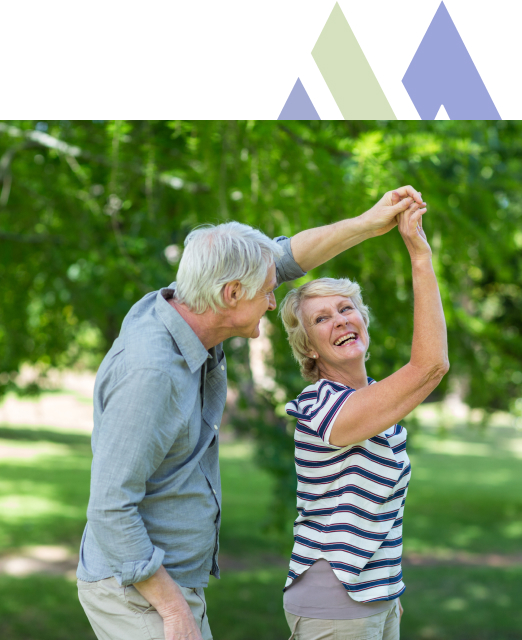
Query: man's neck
210	327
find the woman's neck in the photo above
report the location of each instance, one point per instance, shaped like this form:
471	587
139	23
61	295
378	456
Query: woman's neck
353	376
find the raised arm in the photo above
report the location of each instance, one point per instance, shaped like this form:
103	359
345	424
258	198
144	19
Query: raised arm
313	247
373	409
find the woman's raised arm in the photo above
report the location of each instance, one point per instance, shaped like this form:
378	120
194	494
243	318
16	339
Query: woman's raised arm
375	408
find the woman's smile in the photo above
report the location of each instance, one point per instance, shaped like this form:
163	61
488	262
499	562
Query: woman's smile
346	339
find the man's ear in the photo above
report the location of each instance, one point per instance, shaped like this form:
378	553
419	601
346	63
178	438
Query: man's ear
232	293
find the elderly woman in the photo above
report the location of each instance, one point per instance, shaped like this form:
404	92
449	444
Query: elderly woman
345	574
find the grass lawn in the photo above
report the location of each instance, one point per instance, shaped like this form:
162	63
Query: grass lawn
460	501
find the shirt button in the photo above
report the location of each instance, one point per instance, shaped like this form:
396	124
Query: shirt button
222	368
215	427
214	491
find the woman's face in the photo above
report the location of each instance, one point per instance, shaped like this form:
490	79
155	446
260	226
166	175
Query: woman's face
336	330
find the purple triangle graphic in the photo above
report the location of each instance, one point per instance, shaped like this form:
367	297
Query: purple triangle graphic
443	73
298	105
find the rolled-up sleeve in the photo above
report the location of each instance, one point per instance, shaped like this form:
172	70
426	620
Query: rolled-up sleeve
138	428
286	267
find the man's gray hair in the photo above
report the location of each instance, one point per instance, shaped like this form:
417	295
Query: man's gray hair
216	255
290	312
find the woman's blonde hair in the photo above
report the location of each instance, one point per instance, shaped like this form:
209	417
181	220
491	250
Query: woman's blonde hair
290	312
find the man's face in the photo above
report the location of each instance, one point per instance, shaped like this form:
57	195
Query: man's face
248	313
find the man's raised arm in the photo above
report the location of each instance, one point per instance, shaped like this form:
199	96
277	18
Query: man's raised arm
313	247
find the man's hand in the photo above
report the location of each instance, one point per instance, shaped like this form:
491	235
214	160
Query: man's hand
165	595
181	627
313	247
381	218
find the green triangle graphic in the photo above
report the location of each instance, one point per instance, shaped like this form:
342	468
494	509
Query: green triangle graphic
347	73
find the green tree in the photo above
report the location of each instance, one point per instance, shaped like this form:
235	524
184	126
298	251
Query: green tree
88	209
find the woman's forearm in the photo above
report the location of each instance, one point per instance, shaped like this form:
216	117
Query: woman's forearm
429	349
372	409
376	407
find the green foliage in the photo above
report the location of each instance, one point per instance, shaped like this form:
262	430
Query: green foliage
87	210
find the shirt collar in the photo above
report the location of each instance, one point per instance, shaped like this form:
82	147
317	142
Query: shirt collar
188	343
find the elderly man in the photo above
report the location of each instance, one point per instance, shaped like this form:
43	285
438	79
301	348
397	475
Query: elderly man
151	538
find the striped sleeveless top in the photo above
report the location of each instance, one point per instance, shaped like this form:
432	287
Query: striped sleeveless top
350	500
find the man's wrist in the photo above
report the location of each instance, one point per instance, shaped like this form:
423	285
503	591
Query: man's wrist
173	608
361	226
366	225
163	593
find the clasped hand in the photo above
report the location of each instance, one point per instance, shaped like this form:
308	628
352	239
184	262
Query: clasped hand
410	228
382	217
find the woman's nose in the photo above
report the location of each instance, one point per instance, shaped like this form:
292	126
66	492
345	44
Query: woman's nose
272	302
340	320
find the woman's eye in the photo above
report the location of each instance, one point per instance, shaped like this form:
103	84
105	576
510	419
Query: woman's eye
320	319
346	308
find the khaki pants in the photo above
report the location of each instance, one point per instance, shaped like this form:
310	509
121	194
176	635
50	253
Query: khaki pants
122	613
381	626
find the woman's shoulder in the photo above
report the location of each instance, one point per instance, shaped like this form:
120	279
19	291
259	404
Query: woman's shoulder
331	385
324	383
320	392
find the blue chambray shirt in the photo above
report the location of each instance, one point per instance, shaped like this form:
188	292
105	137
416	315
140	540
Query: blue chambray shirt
155	484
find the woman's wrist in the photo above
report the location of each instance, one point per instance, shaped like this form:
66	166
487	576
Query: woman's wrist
426	259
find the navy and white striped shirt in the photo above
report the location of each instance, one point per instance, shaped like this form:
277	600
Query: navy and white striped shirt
350	499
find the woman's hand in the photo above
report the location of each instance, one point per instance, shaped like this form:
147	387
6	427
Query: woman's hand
410	228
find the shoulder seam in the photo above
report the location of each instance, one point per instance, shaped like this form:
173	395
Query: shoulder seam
172	383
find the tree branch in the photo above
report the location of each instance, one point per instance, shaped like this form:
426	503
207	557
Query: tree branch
309	143
36	239
38	138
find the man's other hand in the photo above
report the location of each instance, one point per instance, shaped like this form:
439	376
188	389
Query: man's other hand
166	596
181	626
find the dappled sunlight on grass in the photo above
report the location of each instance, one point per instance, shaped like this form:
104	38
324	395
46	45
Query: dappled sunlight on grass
22	434
463	502
248	604
247	496
499	439
41	608
461	603
461	509
455	447
236	451
14	508
43	497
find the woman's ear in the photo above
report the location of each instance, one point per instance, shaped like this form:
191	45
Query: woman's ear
232	293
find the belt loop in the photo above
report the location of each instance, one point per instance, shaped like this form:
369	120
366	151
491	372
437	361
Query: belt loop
294	628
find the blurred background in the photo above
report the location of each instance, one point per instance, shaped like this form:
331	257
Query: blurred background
93	215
